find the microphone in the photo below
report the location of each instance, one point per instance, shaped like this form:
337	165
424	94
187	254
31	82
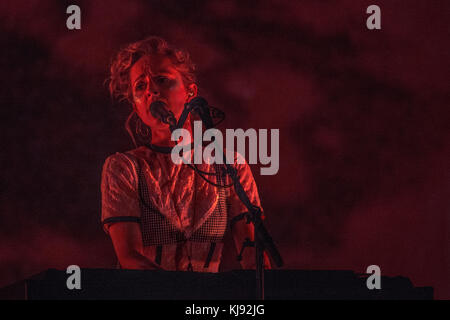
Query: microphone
200	106
159	111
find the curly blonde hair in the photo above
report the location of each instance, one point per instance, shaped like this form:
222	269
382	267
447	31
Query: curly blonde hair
119	79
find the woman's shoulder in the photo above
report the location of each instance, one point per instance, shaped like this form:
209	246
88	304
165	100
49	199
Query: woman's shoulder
129	160
140	152
121	160
117	163
129	155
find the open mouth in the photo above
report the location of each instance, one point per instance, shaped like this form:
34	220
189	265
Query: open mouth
160	111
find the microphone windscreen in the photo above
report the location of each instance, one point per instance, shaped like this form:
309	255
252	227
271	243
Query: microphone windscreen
159	111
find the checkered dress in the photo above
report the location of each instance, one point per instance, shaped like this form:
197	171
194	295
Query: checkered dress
157	230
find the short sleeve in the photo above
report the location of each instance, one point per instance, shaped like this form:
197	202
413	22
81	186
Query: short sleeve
120	200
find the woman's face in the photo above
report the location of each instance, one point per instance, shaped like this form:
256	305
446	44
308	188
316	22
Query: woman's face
155	78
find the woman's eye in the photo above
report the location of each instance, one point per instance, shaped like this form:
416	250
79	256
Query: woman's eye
161	80
140	86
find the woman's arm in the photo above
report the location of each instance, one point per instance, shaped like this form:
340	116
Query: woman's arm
127	241
119	201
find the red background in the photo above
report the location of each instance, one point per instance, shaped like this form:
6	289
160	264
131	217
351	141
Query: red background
363	118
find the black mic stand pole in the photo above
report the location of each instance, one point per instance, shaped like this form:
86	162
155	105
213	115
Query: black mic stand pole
263	241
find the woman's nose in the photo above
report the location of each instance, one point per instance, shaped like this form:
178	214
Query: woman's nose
153	89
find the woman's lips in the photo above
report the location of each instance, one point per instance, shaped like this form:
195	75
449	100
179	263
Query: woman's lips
166	105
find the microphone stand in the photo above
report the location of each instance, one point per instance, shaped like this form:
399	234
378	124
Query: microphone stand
263	241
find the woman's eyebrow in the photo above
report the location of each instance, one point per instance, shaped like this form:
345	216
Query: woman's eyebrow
140	77
162	72
156	74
